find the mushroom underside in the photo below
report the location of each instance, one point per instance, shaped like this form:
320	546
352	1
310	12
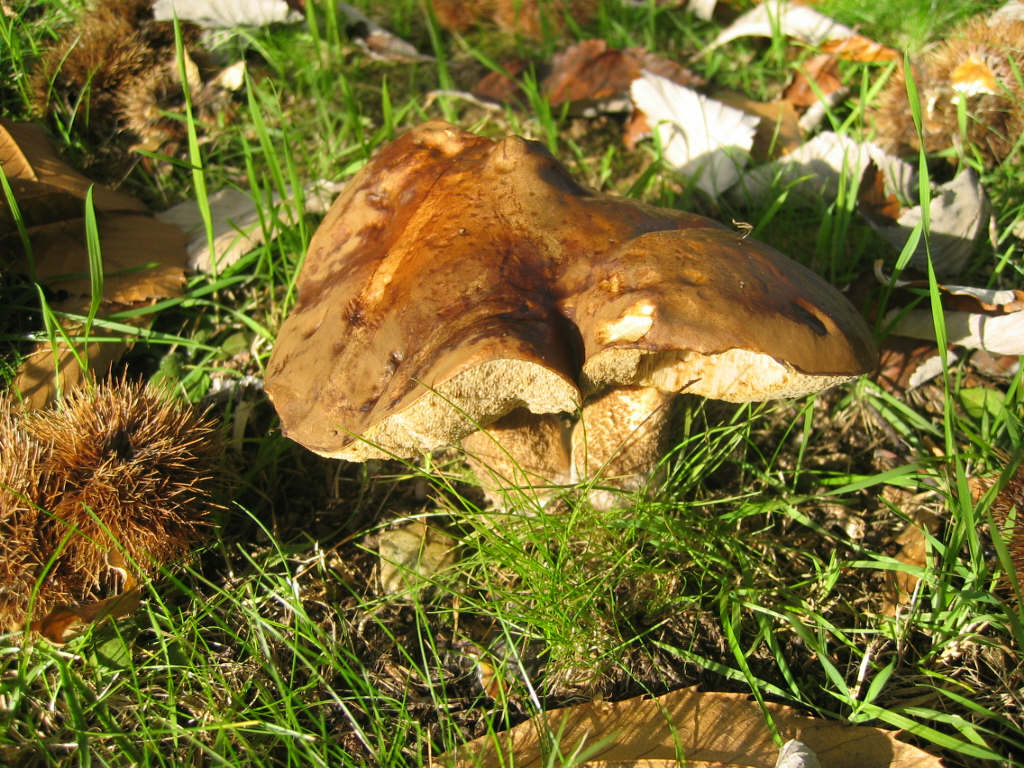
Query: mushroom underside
622	433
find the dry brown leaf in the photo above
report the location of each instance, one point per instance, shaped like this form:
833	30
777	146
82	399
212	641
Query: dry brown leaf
502	87
912	545
64	623
591	71
899	361
823	71
32	158
638	128
874	202
143	259
720	729
41	372
860	48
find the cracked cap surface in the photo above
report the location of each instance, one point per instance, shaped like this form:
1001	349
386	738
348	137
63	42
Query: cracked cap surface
456	279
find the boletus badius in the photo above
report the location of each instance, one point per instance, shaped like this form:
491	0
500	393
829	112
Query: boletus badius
459	282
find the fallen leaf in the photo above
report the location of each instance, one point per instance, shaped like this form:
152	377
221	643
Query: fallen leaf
976	318
411	555
638	128
378	42
67	621
816	168
143	259
904	364
911	545
26	154
502	87
796	754
778	131
43	373
860	48
590	71
702	9
699	137
721	729
1013	10
789	19
821	70
958	214
228	13
996	334
237	223
876	203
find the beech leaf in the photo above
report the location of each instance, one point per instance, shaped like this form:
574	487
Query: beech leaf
227	13
721	729
699	136
789	19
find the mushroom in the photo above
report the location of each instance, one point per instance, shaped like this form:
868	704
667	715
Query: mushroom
460	283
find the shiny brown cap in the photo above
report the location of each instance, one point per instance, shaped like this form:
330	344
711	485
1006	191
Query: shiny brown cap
457	279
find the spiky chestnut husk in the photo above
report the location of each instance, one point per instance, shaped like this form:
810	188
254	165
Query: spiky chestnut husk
1010	497
126	487
115	70
977	63
22	487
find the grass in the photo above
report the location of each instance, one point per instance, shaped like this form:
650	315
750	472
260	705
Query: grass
764	561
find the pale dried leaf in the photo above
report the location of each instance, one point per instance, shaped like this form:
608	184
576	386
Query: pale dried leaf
702	9
226	13
411	555
816	168
796	754
232	77
700	137
1008	12
379	43
999	334
928	369
721	729
236	228
958	214
236	222
789	19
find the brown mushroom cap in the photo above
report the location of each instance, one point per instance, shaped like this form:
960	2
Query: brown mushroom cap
457	279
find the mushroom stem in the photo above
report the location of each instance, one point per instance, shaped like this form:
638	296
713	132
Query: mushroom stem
619	440
522	451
